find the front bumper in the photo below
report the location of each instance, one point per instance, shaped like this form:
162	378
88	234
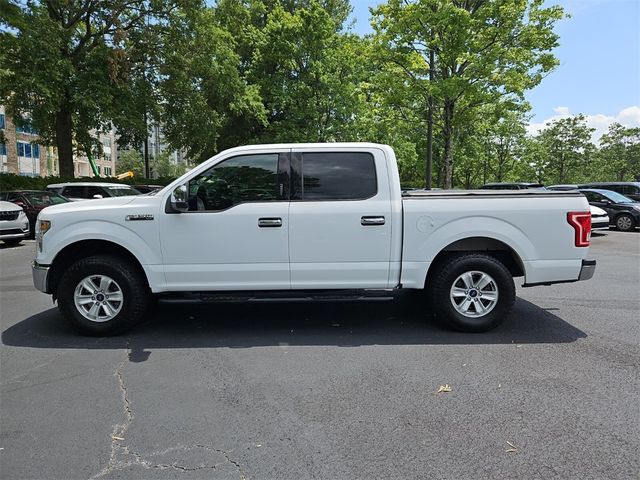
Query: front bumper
40	275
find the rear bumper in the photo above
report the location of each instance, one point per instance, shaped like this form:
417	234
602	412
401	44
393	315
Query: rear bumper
587	269
40	275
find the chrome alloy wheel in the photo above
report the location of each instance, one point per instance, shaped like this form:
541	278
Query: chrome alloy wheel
98	298
474	294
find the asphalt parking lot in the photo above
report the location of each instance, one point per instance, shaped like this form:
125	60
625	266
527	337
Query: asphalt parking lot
329	391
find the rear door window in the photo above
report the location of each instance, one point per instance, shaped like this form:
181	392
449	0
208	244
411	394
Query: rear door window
338	176
75	191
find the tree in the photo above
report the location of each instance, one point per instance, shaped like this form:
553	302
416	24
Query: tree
130	161
163	167
483	50
619	154
567	144
206	100
68	71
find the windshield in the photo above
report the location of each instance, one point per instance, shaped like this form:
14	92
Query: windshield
44	199
617	197
122	191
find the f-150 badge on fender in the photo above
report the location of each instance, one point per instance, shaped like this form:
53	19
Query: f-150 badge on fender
140	216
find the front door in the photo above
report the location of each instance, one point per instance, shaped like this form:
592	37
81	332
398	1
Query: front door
339	219
235	234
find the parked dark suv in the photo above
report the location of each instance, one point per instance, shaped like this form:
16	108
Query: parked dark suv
623	212
628	189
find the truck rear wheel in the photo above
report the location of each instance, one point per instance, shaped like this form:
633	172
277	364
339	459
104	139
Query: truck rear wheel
472	292
103	295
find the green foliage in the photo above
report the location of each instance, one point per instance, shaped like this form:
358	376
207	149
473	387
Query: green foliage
130	161
73	67
10	181
234	72
485	52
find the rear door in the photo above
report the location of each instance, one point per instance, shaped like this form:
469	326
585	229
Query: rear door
339	219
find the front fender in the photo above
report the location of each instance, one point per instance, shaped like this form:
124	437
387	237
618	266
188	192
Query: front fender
143	243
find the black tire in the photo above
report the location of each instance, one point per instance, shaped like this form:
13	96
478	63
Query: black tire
13	242
625	222
448	272
131	281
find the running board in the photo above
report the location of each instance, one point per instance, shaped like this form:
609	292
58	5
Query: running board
279	296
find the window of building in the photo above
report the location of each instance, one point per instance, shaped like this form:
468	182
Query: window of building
26	128
1	120
28	150
107	171
3	148
246	178
338	176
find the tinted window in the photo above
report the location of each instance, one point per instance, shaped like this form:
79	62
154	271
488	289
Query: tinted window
91	191
617	198
592	196
121	191
75	191
247	178
338	176
44	198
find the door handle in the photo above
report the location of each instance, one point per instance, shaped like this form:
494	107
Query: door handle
269	222
372	221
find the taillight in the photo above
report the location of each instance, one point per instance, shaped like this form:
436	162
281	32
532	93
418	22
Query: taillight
581	223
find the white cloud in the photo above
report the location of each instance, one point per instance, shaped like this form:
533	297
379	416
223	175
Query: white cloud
628	117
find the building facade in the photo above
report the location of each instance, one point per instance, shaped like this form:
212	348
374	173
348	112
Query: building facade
22	154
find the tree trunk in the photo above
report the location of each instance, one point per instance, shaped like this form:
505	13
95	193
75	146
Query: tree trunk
64	141
448	143
429	166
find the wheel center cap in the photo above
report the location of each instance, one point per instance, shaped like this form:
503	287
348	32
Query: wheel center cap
100	297
473	293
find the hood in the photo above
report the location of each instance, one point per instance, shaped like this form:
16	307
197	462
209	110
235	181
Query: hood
9	207
87	205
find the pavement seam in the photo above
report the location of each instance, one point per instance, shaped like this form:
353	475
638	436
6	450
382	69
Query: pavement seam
118	448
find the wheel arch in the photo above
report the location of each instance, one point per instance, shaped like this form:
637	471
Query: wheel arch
493	247
86	248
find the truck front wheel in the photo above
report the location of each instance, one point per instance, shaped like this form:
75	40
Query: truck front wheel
103	295
471	292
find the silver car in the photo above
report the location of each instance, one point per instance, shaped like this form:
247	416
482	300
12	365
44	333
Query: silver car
14	224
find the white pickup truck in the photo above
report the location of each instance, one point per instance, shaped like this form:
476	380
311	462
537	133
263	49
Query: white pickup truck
307	221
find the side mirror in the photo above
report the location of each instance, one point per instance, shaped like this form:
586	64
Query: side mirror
97	196
21	204
178	199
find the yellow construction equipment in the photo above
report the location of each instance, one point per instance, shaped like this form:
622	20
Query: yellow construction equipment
125	175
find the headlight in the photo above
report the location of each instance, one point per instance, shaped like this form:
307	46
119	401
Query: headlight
637	208
42	227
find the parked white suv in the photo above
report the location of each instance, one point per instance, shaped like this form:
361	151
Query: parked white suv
301	221
92	190
14	224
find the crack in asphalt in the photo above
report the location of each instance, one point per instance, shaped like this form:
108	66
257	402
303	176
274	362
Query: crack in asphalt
122	457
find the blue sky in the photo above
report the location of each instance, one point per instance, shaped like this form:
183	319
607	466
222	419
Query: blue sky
599	72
